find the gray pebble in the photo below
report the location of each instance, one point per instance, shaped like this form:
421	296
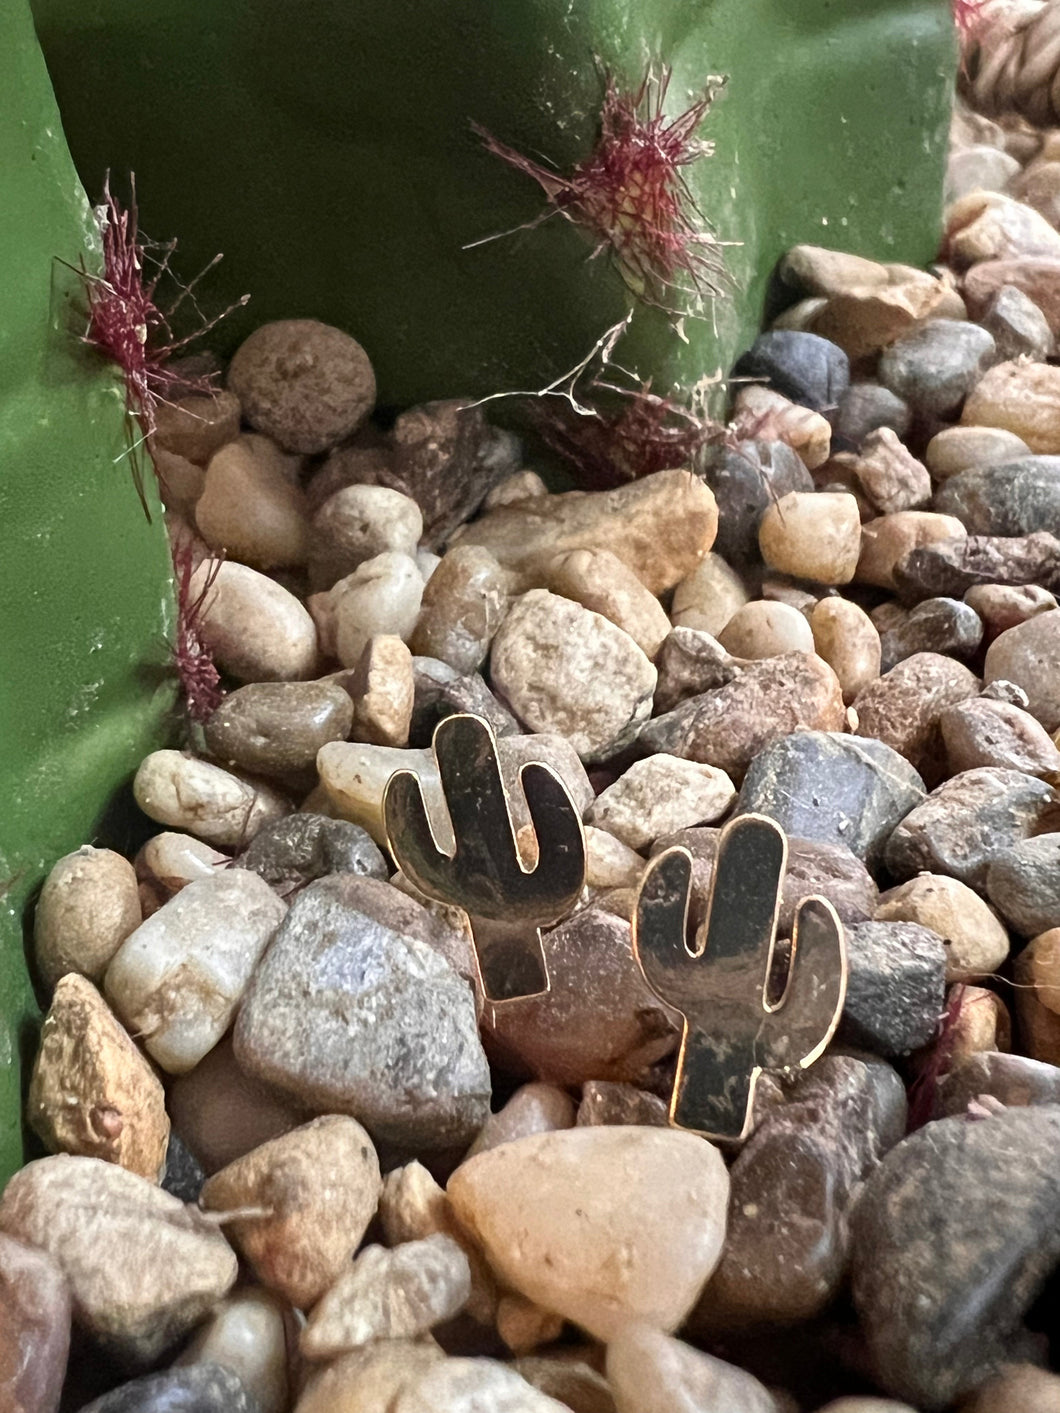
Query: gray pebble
1018	327
940	625
806	368
184	1174
192	1388
440	691
689	662
295	851
937	364
1002	691
1015	1080
1023	884
954	566
1018	498
865	408
272	728
896	987
745	481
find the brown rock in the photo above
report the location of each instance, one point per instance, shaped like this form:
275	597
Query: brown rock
599	580
818	271
464	604
1039	186
34	1329
982	1023
864	320
369	1380
708	597
957	449
812	535
92	1092
273	728
196	427
1013	1080
659	795
248	1334
886	541
520	485
954	566
976	942
1020	397
845	637
985	732
889	475
251	509
689	663
605	1102
524	1326
651	1373
88	906
357	523
1028	655
992	226
383	691
534	1108
381	596
727	727
761	414
1004	606
1018	1386
1036	277
310	1195
903	708
660	526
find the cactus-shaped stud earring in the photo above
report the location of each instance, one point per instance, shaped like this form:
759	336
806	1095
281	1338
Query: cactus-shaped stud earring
507	902
732	1031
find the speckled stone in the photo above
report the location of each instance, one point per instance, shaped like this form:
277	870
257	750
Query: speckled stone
903	707
890	477
1027	655
936	365
1023	883
956	566
439	691
184	1176
1016	498
605	1102
865	408
976	941
895	988
304	847
1014	1080
983	731
463	606
804	367
1018	327
940	625
659	795
690	662
270	728
1004	606
198	1388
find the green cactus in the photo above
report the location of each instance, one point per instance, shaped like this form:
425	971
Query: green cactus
485	875
732	1032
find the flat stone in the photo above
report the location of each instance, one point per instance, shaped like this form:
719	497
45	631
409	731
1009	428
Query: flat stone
708	597
866	407
745	481
1015	498
650	1372
659	795
817	270
254	628
895	987
1018	327
466	1385
92	1092
936	365
976	942
954	1234
575	1197
357	523
88	906
812	535
463	606
600	581
863	320
1004	606
966	822
938	625
439	692
957	449
890	476
891	539
353	1010
186	793
787	1242
174	1263
200	1388
396	1294
982	732
1020	397
766	628
1023	883
564	669
1014	1080
903	708
271	728
533	1108
770	699
34	1328
953	568
599	1019
605	1102
661	526
177	981
690	662
247	1334
836	789
1027	655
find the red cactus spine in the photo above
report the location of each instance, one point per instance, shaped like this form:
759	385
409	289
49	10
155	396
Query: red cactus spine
200	681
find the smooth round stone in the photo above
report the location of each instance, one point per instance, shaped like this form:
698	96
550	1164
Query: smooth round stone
660	795
381	596
903	708
201	1388
1004	606
92	1092
746	479
533	1108
562	668
1037	976
524	1326
977	168
89	904
814	269
196	427
463	606
600	581
983	731
804	367
173	1263
957	449
976	942
937	626
1023	883
169	861
305	384
177	981
34	1329
297	850
890	538
649	1372
862	1403
1014	1080
251	509
865	320
356	524
247	1334
551	1210
812	535
1028	655
845	637
1023	398
272	728
186	793
936	365
317	1189
255	628
765	629
1017	498
982	1022
865	408
1018	326
708	597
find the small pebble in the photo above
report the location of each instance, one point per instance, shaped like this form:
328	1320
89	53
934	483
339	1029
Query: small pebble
1037	999
766	629
575	1197
845	637
88	906
197	426
251	510
804	367
91	1091
746	480
903	708
660	795
895	987
887	541
867	407
467	1385
187	793
1023	883
524	1326
305	384
936	365
649	1372
689	663
982	1022
1018	327
272	728
177	981
572	1381
1016	498
247	1334
463	606
608	862
1028	655
520	485
34	1328
954	567
439	692
1004	606
1019	397
812	536
760	414
381	596
605	1102
817	270
889	476
256	630
169	861
983	731
383	689
1023	1386
369	1379
936	626
1036	276
708	597
992	226
1015	1080
533	1108
184	1175
297	850
355	525
865	319
976	942
956	449
600	581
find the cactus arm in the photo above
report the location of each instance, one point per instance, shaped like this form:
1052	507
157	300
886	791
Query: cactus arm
411	839
803	1021
488	874
560	871
660	920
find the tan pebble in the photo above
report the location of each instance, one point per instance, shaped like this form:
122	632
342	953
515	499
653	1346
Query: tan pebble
143	1267
1004	606
1017	1388
760	414
887	540
463	606
991	226
355	777
708	597
1037	997
797	596
568	1378
599	580
180	481
35	1332
310	1196
863	1403
660	795
976	941
520	485
812	535
984	732
255	628
982	1024
608	862
1037	276
467	1385
211	803
170	861
427	562
862	321
88	906
1039	966
382	596
92	1092
251	510
890	476
957	449
247	1333
198	426
396	1294
764	628
383	691
524	1326
305	384
800	316
820	271
846	638
356	524
651	1373
1028	655
1019	397
222	1113
1039	185
369	1379
534	1108
550	1211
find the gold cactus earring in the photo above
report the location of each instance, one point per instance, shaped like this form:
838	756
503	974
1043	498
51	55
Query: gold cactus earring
507	902
732	1032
